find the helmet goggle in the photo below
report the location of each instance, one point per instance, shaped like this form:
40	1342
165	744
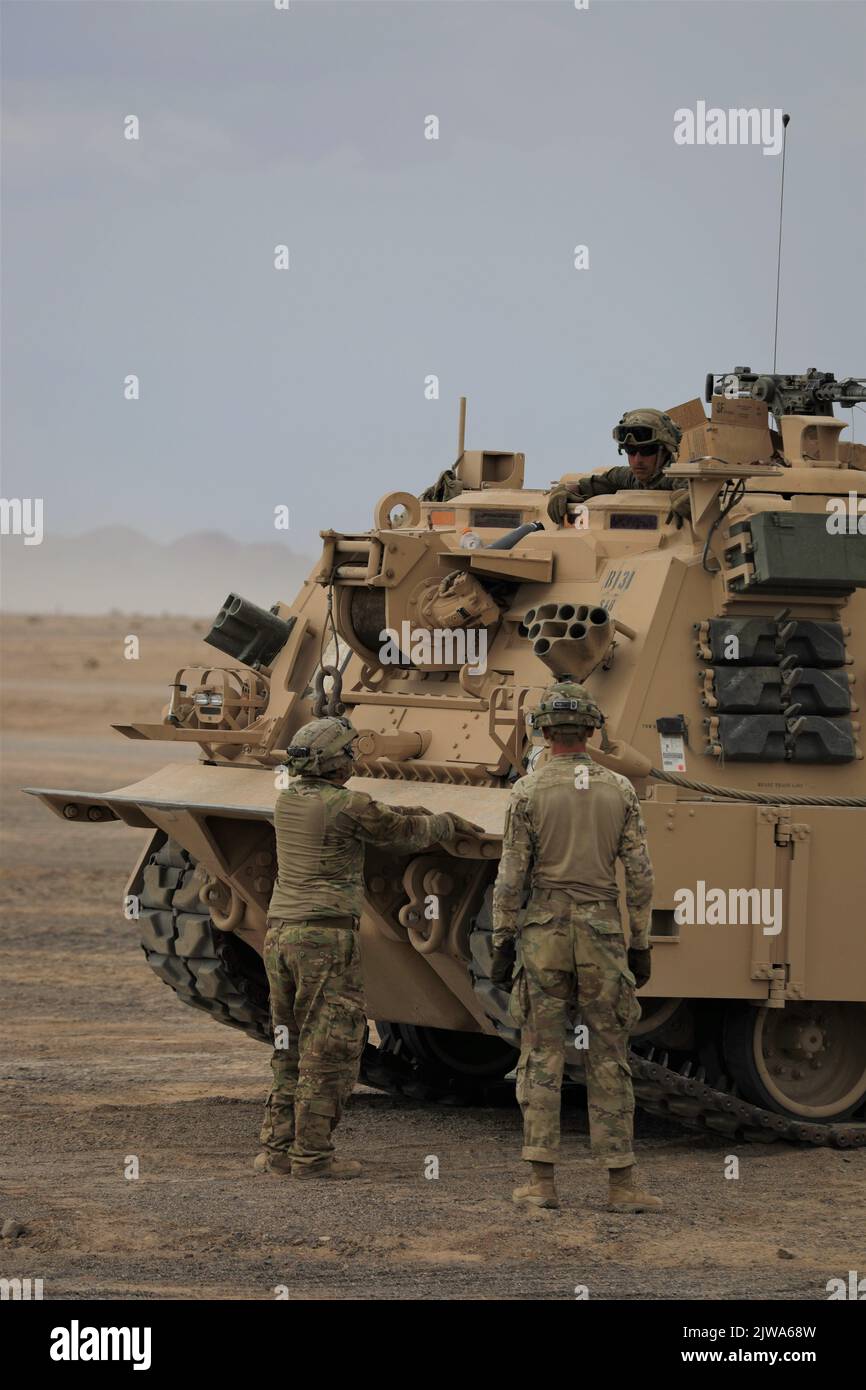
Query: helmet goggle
636	434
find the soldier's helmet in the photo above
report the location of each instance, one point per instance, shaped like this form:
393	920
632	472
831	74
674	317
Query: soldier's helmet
567	705
648	427
320	747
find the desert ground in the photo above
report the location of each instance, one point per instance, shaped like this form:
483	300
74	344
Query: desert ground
101	1063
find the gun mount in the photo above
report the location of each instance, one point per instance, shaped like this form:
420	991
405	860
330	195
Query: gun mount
811	393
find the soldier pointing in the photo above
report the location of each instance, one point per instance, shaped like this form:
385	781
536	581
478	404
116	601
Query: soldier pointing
311	948
565	828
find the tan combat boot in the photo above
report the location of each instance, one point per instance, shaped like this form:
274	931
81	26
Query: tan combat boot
269	1161
541	1191
625	1196
334	1168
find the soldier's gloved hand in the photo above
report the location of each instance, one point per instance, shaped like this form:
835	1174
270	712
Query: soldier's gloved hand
680	509
557	503
465	827
502	968
640	965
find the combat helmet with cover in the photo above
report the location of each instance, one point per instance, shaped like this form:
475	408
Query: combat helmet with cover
567	705
645	428
321	747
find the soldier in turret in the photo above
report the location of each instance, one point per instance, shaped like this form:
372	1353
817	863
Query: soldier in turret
650	440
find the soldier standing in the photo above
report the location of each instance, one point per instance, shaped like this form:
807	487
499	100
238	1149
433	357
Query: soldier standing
650	441
566	826
311	948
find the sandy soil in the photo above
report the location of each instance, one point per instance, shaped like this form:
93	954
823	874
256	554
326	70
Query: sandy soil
101	1063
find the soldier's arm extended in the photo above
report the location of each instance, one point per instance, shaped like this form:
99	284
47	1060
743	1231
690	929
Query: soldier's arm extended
413	829
621	479
634	853
594	485
600	484
516	861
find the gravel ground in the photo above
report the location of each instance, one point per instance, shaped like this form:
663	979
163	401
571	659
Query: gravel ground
101	1065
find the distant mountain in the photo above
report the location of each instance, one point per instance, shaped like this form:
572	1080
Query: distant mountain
117	567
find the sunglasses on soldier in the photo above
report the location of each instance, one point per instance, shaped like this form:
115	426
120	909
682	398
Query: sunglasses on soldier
645	450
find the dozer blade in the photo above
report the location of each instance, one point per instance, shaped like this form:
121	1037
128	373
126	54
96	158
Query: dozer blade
247	793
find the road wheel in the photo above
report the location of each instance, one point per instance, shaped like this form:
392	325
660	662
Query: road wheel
807	1061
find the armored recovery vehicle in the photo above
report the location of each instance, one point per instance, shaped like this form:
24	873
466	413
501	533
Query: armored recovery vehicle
727	653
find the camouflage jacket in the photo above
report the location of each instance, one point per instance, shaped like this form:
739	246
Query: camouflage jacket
321	830
621	479
565	828
446	486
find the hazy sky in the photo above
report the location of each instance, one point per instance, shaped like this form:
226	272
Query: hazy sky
408	256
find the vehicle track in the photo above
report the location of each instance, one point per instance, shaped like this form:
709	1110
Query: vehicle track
215	971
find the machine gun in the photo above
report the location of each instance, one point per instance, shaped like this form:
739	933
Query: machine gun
813	393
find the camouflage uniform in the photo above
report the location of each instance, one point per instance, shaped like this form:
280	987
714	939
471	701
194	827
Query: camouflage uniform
565	840
635	426
621	479
446	487
312	957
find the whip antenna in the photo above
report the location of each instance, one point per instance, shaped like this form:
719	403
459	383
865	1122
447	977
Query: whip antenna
785	119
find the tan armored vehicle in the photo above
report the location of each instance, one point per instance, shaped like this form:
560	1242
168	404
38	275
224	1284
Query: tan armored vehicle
727	653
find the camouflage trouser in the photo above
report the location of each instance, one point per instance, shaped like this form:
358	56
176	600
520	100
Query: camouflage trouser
317	1001
569	954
